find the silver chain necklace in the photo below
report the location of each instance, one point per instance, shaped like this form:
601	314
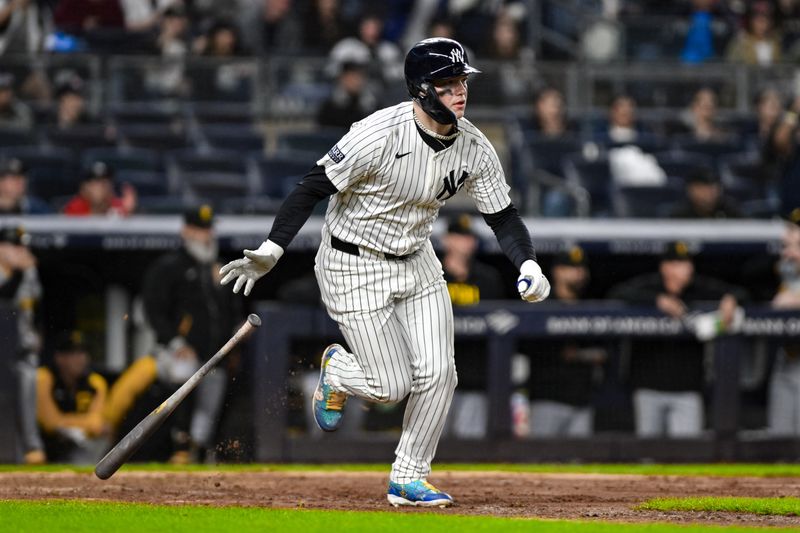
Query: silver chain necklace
433	134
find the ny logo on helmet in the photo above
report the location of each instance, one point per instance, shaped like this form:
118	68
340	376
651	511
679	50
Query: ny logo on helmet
457	55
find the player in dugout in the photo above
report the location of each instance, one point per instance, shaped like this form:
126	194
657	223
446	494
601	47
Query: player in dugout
380	279
191	317
70	398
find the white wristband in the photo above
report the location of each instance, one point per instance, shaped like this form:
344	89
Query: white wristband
270	248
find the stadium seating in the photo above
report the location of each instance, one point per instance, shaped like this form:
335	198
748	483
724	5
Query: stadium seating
52	171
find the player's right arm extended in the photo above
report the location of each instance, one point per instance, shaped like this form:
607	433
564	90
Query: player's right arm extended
293	213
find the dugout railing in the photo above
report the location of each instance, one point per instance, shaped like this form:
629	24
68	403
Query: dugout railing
503	325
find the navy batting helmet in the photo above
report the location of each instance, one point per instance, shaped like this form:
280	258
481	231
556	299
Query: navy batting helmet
430	60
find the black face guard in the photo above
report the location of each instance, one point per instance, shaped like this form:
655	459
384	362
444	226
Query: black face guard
433	106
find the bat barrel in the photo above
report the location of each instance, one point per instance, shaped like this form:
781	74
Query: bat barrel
125	449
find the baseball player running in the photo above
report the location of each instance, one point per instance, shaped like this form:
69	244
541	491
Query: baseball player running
380	280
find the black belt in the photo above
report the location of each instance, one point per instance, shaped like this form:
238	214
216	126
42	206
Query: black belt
353	249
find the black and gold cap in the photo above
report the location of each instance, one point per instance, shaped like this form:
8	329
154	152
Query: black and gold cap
676	251
15	235
70	341
572	256
461	224
201	216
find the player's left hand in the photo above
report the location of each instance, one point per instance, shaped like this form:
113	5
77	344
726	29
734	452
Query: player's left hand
532	285
252	267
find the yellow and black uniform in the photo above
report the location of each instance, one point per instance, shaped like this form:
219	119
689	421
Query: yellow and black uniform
60	406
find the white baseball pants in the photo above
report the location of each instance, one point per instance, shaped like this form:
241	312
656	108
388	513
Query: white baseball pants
397	319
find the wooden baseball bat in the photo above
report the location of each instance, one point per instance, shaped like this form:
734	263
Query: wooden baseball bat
125	448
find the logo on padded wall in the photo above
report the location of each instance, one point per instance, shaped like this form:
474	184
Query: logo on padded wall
501	322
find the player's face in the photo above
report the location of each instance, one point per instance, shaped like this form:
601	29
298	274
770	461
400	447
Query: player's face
453	94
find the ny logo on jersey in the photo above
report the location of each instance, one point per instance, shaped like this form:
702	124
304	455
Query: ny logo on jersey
451	186
456	55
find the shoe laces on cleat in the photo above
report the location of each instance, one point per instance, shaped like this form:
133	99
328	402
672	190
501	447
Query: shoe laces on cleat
335	401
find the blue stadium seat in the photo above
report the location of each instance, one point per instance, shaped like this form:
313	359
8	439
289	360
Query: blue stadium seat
745	177
136	159
712	149
146	182
634	201
680	164
233	137
210	175
16	137
52	171
81	137
595	177
250	205
154	136
277	173
162	204
316	143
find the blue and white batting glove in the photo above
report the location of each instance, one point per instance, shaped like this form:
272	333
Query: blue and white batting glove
532	285
252	267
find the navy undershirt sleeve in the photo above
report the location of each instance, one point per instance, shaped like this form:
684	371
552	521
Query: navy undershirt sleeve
511	233
299	205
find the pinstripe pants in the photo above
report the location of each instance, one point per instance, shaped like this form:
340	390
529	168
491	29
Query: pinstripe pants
397	319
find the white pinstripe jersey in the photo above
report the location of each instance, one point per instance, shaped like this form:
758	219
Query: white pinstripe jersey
391	184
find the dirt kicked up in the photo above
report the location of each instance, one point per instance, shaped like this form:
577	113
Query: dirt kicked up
565	496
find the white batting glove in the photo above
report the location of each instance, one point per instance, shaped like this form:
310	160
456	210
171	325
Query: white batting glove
531	283
252	267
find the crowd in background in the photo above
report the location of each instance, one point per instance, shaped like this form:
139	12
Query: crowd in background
703	164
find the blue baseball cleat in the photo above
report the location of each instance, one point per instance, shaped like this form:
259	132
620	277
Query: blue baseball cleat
417	493
328	404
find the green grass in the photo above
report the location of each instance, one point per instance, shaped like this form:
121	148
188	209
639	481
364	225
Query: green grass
726	470
763	506
75	517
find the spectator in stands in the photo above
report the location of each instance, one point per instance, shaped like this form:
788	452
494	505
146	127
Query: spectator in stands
667	375
21	289
71	103
512	82
351	99
96	194
469	282
70	399
323	26
768	105
145	16
783	412
192	315
622	126
14	197
550	118
383	58
702	120
24	23
80	16
168	78
13	113
271	26
705	197
783	150
758	43
221	80
221	40
699	44
563	374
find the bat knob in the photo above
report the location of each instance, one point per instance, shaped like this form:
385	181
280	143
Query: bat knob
254	320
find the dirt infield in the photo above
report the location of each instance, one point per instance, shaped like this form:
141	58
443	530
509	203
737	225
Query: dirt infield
567	496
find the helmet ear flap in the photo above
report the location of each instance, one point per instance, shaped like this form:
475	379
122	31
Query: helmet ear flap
434	107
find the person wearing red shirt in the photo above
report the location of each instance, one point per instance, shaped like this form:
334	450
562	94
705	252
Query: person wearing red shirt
96	195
